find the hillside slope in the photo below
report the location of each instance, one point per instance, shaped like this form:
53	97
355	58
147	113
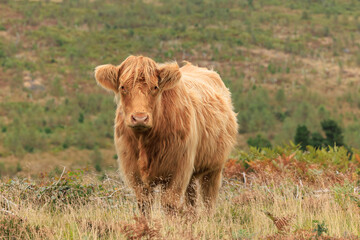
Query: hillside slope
286	63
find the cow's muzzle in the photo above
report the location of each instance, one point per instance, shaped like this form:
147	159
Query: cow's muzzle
140	121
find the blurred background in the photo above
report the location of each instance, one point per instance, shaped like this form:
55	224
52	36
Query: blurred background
292	67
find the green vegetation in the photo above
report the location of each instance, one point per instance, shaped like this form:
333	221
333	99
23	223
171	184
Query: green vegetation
259	142
302	136
320	228
82	121
48	51
333	133
97	159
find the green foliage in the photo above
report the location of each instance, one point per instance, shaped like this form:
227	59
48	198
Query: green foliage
67	190
255	111
305	113
41	127
81	118
280	96
337	157
333	133
323	112
21	139
58	189
97	159
320	228
18	167
302	136
62	43
242	234
316	140
259	142
344	195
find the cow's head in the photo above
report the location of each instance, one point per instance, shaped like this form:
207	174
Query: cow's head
138	82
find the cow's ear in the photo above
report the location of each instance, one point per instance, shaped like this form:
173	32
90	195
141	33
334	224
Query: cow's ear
169	75
108	76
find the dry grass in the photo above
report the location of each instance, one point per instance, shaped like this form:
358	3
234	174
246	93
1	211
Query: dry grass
75	209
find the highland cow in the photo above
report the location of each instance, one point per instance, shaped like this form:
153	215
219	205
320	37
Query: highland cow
173	127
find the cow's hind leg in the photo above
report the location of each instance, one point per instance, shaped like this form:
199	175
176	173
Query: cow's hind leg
210	185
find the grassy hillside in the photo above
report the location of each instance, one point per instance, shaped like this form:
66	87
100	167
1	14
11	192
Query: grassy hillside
286	63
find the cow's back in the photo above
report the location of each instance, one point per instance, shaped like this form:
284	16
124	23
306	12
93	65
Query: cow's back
197	77
215	118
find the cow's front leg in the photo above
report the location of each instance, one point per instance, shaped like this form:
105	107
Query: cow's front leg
144	197
174	190
128	162
143	192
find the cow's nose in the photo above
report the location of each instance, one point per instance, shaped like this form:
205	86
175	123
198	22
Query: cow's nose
139	118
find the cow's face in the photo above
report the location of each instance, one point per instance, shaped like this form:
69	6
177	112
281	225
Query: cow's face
138	100
138	82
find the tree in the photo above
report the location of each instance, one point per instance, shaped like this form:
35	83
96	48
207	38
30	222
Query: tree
317	140
333	133
259	142
302	136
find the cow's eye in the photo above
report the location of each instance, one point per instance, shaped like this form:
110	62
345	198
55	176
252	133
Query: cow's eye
156	88
122	88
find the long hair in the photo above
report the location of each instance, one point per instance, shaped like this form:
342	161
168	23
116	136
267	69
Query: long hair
134	68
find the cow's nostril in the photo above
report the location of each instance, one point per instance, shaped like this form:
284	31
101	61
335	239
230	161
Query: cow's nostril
139	118
133	118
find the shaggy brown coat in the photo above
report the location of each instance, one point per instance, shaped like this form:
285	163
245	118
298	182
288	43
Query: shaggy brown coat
188	132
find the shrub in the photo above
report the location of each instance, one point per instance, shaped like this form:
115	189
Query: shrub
317	140
333	133
97	159
259	142
69	189
302	137
81	117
